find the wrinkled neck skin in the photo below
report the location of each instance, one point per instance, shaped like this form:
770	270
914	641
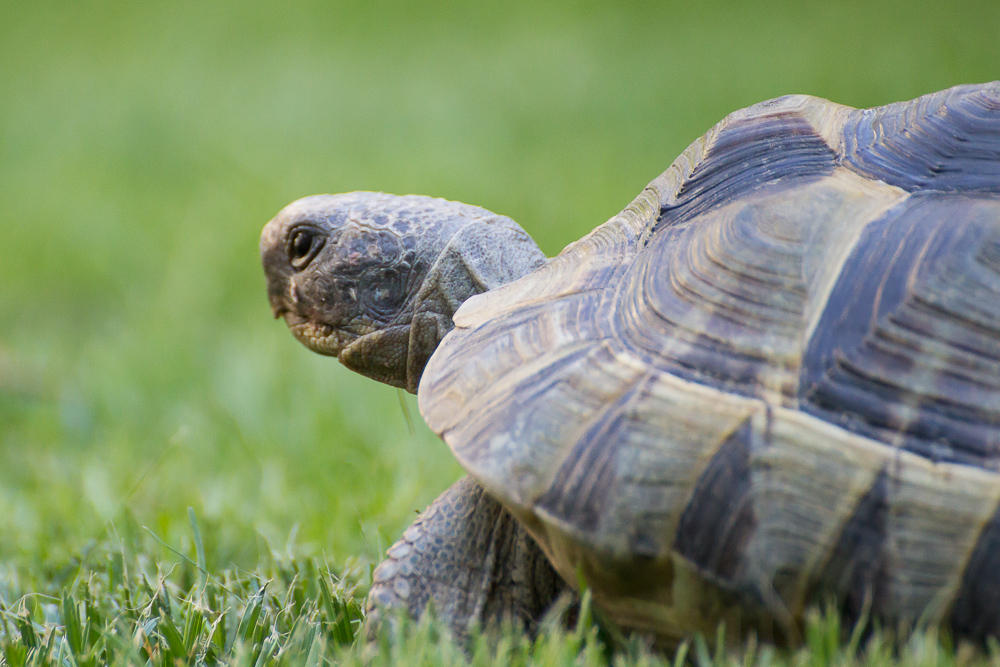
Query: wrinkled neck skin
374	279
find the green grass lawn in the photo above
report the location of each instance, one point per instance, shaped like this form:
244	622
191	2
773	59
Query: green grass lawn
143	147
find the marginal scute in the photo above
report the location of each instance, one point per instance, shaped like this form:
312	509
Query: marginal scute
814	483
806	476
789	343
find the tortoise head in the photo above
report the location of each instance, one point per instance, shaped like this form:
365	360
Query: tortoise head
373	279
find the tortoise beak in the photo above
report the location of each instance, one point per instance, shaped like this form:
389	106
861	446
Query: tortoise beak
276	299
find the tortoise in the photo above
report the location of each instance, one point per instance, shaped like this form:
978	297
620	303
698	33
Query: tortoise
772	380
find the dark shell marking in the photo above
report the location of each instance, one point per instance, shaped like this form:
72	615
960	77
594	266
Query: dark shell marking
856	568
775	375
717	521
751	154
911	354
977	604
944	141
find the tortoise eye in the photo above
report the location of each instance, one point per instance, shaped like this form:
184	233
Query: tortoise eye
303	246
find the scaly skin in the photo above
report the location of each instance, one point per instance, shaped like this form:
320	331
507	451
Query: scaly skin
471	559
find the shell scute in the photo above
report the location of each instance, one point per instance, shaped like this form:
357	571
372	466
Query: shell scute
910	354
728	299
943	141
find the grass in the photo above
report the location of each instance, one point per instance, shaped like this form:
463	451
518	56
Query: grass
118	606
143	146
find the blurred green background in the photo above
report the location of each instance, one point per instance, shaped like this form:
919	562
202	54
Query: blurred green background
144	145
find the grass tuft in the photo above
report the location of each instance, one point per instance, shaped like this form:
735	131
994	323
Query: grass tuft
120	607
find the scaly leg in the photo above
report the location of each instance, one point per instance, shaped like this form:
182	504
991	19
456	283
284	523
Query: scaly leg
472	559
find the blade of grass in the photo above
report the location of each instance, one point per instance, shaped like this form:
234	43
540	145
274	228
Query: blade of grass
199	548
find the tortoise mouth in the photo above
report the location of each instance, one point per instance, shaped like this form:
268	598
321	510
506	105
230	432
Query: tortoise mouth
320	338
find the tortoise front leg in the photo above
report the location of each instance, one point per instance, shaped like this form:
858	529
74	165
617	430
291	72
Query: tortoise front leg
468	556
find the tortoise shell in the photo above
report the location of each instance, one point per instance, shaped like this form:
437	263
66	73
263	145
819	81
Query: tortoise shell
774	377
